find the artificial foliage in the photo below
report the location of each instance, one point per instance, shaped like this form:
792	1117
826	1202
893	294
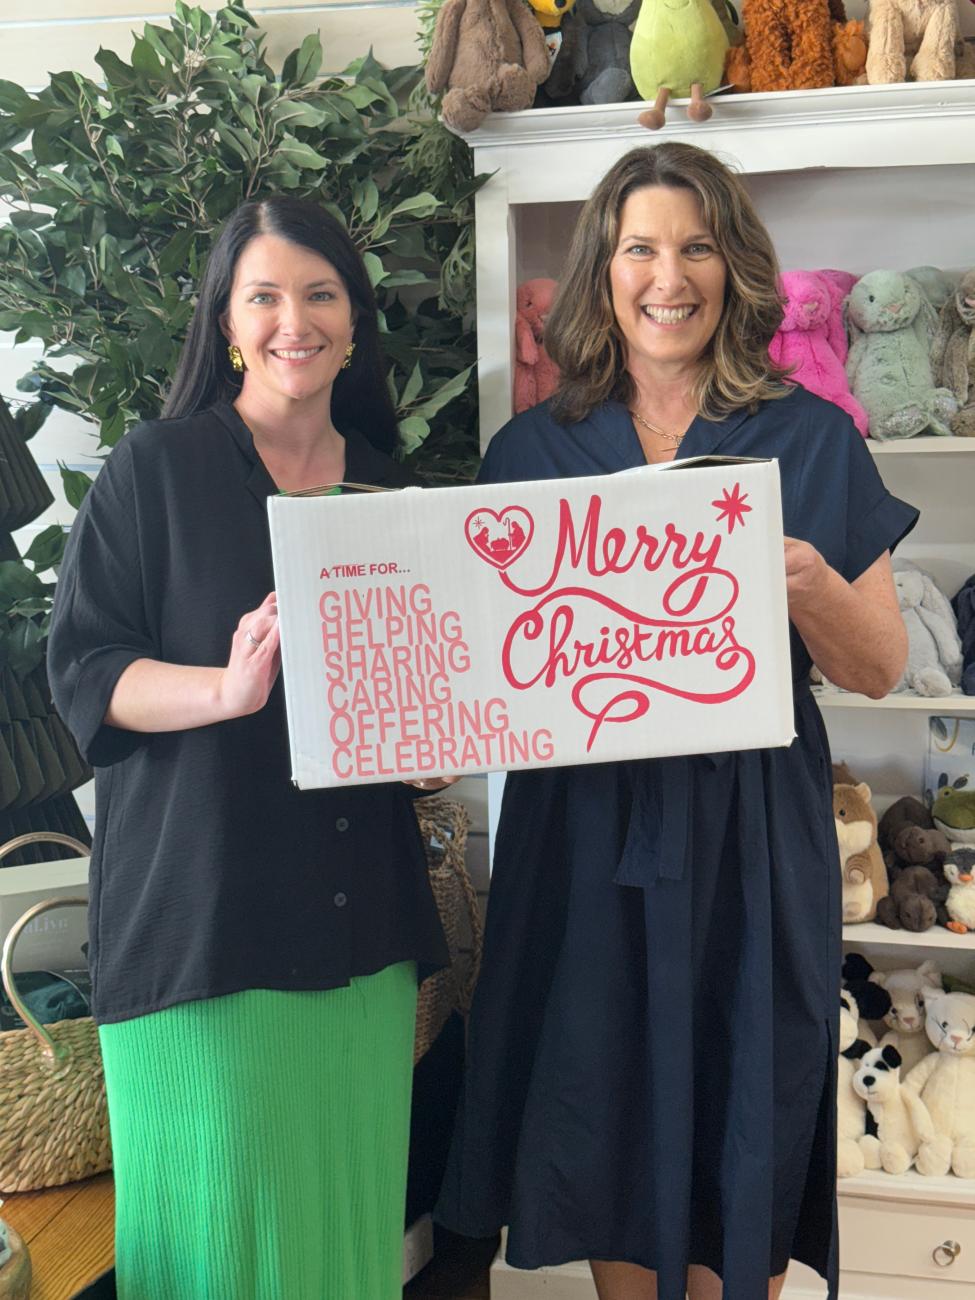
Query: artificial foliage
116	189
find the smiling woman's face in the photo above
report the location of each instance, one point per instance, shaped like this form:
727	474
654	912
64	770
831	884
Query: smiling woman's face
291	316
667	280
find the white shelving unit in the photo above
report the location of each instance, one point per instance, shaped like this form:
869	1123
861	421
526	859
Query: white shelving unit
855	178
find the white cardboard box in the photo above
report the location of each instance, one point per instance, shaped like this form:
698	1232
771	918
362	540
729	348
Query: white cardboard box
533	624
54	940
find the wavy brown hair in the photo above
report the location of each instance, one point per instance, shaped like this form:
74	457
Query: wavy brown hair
582	334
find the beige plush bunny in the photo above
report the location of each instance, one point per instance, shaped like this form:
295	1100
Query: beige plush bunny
922	31
953	356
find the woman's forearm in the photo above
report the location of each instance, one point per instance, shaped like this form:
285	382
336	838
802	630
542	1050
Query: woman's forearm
854	631
155	696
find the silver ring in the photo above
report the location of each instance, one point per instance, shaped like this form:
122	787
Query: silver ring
252	639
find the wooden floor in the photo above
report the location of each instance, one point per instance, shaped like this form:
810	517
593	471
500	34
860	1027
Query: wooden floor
70	1234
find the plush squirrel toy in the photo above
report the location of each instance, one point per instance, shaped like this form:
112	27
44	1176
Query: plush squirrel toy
489	55
861	862
901	1117
945	1082
677	50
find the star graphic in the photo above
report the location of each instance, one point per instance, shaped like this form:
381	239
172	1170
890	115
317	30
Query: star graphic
731	506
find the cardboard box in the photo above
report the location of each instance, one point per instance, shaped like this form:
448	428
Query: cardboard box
534	624
54	940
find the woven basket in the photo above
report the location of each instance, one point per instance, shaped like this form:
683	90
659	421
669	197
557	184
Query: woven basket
53	1116
444	824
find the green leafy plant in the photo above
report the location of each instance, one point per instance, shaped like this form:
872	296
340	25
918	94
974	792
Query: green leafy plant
116	189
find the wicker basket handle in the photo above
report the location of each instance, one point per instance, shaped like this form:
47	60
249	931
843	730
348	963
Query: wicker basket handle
51	1050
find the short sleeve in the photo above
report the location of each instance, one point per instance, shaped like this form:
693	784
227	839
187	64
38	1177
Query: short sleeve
99	624
876	521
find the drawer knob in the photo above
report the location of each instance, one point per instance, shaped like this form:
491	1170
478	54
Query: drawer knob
946	1254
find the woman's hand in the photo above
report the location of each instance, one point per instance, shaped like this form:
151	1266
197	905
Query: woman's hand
806	575
433	782
255	661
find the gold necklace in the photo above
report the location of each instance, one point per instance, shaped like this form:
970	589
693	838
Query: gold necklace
675	438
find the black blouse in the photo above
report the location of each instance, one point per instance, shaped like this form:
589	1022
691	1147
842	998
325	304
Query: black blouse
210	872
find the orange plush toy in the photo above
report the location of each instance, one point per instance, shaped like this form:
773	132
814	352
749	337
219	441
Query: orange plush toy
536	374
794	45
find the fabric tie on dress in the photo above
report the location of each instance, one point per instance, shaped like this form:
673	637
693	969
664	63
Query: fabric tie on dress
660	819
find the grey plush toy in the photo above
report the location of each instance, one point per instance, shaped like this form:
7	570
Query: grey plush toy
602	53
936	285
892	326
934	657
954	354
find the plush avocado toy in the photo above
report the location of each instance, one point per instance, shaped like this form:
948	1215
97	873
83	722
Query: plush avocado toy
678	49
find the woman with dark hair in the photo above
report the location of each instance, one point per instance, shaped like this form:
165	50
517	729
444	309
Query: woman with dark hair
651	1076
254	949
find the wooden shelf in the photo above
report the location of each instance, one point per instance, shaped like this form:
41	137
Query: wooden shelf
870	935
70	1233
927	446
910	1187
952	705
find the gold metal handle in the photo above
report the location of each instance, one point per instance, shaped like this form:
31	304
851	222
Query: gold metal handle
946	1254
54	1053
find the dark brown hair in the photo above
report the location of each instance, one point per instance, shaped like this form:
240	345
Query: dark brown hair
582	334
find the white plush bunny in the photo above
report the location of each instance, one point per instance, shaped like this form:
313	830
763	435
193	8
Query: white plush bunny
945	1082
934	654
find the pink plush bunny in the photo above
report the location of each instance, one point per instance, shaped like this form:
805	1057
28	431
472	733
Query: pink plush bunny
536	374
840	284
810	341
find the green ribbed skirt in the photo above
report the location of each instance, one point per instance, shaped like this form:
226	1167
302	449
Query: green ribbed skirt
260	1143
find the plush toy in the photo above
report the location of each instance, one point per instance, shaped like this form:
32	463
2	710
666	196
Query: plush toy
918	846
924	31
936	285
945	1082
959	871
489	55
862	867
953	354
536	374
551	12
850	52
811	342
933	646
602	64
915	902
891	325
906	811
842	774
907	989
953	811
901	1117
851	1111
963	603
679	51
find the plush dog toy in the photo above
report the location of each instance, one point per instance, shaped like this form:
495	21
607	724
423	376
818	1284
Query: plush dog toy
489	55
857	997
901	1117
907	988
861	864
679	51
536	374
892	325
945	1082
811	342
953	355
933	646
922	31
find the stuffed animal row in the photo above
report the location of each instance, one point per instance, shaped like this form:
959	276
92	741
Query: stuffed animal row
916	1086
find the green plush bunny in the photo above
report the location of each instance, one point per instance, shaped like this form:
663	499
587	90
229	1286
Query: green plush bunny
891	326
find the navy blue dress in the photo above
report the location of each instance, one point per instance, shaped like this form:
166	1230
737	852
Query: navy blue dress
651	1070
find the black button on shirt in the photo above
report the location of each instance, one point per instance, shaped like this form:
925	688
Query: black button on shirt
210	872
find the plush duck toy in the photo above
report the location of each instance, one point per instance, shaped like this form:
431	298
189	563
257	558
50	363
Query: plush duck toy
960	903
678	49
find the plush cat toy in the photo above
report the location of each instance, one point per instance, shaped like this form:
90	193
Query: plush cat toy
679	50
908	989
945	1082
892	325
811	342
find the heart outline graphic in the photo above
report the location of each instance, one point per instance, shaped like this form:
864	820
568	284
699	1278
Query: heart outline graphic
480	541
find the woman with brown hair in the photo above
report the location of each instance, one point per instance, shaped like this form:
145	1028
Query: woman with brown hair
651	1076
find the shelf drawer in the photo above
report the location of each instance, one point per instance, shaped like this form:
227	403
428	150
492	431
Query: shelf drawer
899	1238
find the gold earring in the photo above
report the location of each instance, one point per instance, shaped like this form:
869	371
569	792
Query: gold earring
236	357
348	356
